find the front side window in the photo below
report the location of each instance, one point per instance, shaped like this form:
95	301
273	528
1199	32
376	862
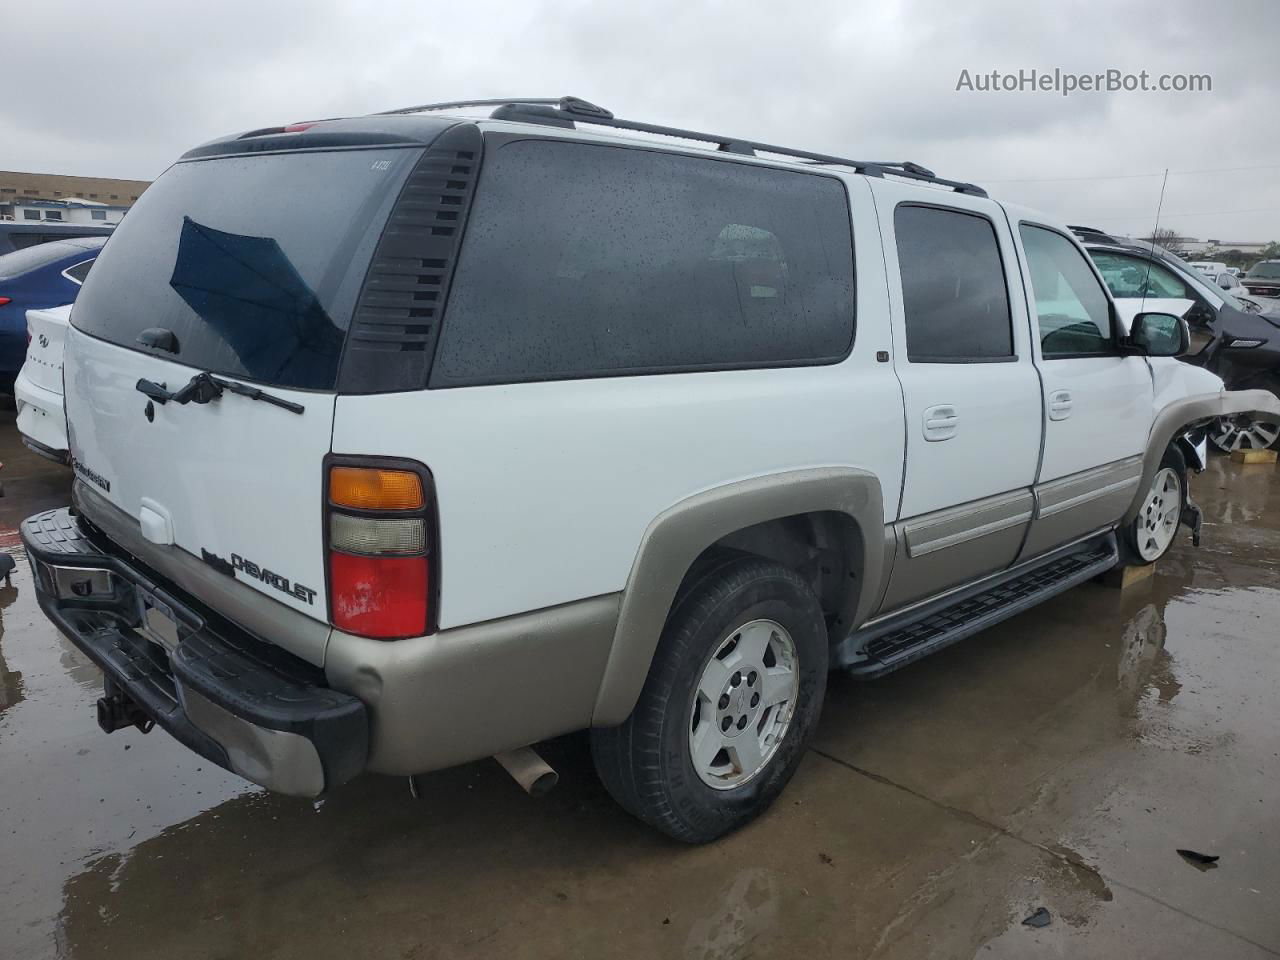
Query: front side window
954	296
1072	310
584	260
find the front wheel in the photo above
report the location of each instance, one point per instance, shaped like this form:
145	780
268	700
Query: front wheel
1152	531
730	702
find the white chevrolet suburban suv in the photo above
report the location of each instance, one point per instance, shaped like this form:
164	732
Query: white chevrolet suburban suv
406	440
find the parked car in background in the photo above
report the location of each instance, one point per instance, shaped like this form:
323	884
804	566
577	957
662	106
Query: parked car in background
38	389
18	235
48	275
1235	339
1263	279
1228	281
1210	268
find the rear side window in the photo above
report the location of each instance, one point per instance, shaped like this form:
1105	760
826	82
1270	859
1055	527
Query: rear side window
79	271
954	294
1071	306
254	263
584	261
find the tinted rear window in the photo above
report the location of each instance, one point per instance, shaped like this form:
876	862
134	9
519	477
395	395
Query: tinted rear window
253	262
583	260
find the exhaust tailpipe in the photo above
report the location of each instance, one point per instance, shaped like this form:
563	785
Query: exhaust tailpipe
529	770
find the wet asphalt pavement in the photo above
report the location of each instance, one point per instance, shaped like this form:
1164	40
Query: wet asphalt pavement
1057	760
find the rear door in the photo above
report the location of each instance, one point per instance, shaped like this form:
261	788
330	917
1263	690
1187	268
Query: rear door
246	267
971	394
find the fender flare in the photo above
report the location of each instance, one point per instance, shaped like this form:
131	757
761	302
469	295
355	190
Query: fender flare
1178	415
676	537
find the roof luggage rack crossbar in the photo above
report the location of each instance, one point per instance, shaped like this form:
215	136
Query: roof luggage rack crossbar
566	111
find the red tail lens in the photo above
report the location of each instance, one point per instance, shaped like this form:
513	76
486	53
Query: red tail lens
4	300
380	597
380	532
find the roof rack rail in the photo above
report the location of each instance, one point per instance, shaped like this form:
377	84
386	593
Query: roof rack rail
458	104
1092	233
567	111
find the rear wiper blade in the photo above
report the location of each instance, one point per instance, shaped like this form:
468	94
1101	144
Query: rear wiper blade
204	387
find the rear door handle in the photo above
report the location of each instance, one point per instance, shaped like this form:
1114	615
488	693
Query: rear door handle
941	422
1060	405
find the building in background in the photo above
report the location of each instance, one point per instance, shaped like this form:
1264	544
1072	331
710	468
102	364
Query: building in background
71	210
51	186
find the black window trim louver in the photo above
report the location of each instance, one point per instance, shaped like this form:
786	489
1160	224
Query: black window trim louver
396	323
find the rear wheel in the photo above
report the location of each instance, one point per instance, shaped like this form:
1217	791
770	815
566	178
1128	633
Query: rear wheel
1151	533
731	700
1243	432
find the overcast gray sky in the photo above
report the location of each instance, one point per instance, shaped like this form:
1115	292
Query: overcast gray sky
121	89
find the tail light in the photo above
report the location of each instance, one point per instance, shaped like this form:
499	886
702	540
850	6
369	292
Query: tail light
380	532
5	300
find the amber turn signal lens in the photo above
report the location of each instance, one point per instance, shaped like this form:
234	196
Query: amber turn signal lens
366	488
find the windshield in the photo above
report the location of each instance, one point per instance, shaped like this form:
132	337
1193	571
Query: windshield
1269	270
253	263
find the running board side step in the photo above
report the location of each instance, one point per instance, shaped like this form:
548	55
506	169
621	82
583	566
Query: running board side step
898	641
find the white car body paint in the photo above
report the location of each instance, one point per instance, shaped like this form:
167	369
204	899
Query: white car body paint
37	392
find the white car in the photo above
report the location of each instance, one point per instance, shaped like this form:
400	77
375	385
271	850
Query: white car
38	388
1210	268
548	421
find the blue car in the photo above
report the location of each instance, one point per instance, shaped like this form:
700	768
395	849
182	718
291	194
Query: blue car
46	275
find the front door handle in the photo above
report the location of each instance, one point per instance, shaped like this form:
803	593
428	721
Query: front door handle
941	422
1060	405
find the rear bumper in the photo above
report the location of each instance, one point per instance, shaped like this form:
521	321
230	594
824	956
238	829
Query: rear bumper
41	418
243	704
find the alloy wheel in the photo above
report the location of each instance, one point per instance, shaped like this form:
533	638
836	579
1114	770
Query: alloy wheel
744	703
1243	433
1158	520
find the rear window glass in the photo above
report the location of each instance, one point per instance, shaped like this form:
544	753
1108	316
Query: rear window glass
253	263
584	261
33	258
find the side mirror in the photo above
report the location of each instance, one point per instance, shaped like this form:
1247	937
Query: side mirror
1160	334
